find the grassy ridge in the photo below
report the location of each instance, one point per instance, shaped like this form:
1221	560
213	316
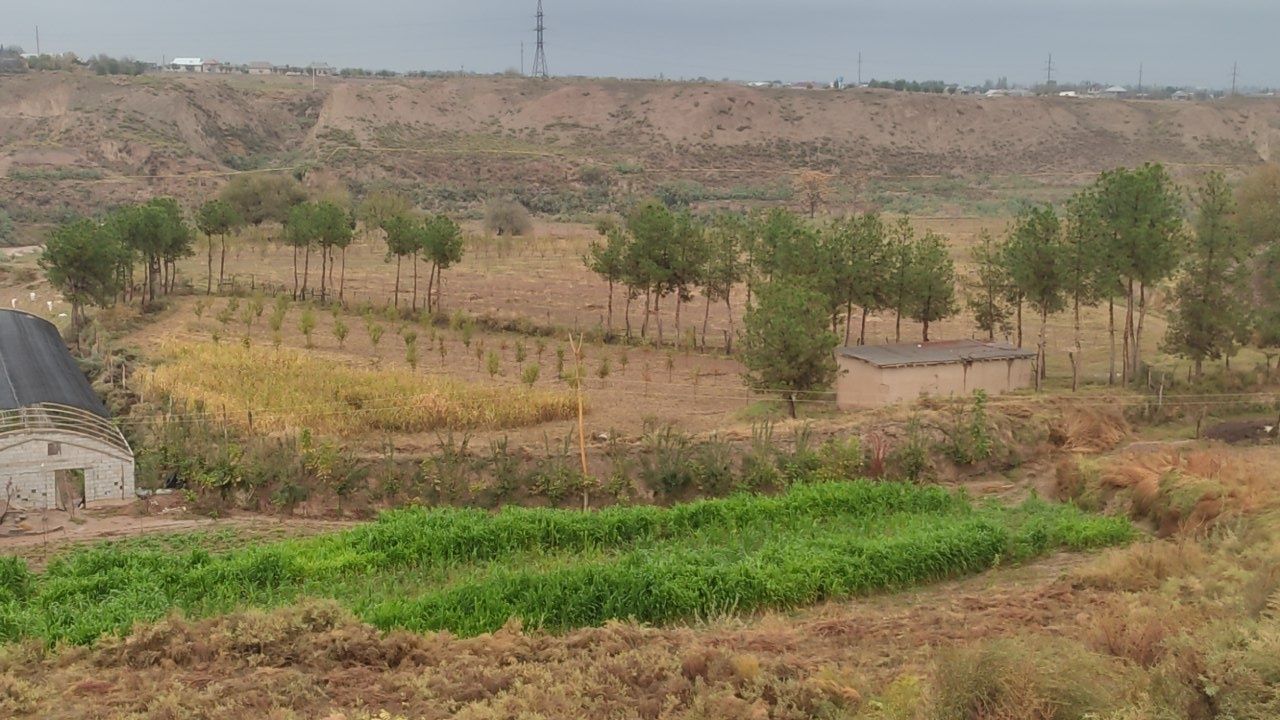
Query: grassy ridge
469	571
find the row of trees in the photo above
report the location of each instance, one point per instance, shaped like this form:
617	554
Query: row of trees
859	262
1116	243
93	261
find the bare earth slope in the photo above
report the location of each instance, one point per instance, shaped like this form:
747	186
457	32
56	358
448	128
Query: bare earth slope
472	135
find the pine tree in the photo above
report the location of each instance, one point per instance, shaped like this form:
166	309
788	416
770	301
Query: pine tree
1034	255
1211	317
788	346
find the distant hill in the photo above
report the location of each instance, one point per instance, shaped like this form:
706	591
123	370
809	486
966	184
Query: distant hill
70	141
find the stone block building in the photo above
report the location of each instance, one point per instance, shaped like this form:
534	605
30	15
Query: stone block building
58	446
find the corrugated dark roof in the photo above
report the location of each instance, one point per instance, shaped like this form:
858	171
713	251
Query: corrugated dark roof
35	367
934	353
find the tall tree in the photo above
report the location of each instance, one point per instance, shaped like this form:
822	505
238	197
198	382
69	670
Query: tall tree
217	217
932	282
443	247
1211	315
900	260
1139	214
80	260
1034	255
331	227
788	346
302	230
606	257
988	288
726	236
868	270
651	257
1087	276
157	233
404	238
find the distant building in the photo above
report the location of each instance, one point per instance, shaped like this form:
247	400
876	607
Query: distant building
192	65
12	65
321	70
876	375
260	67
1115	91
1182	95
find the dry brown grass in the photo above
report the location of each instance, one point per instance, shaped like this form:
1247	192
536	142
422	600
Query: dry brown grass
1091	430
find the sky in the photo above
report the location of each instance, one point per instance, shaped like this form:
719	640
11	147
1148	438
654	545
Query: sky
1177	42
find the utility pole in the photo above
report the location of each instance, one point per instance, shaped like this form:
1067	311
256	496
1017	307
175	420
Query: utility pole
37	39
1235	67
859	67
1048	71
540	54
1139	78
522	57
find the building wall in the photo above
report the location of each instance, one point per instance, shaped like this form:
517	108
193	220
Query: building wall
26	463
862	384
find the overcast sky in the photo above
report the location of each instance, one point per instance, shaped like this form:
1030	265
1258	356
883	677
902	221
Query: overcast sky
1180	42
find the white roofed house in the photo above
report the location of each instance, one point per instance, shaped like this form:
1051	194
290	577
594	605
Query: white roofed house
186	64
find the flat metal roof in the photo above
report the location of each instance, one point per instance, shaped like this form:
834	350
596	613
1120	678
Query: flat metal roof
934	353
36	368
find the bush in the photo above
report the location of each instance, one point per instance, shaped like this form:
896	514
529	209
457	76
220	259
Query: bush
507	217
1037	678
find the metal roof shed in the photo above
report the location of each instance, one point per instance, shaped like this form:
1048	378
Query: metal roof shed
54	430
874	375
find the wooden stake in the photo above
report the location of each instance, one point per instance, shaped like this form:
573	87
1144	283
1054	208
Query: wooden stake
582	433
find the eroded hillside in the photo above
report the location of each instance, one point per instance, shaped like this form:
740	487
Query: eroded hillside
69	142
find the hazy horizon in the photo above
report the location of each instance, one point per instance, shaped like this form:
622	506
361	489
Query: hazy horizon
1178	42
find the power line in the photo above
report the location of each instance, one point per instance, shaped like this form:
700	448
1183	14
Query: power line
1048	71
1235	68
540	54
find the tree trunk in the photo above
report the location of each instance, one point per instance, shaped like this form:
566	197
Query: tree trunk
657	316
1111	331
679	302
439	288
791	404
1128	336
324	270
414	304
706	317
295	272
862	331
396	302
609	322
848	320
644	325
431	286
1041	353
342	277
924	331
1019	323
628	312
897	324
1137	330
208	287
306	270
728	338
222	262
1075	351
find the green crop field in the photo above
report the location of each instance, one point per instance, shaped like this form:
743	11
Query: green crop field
469	571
